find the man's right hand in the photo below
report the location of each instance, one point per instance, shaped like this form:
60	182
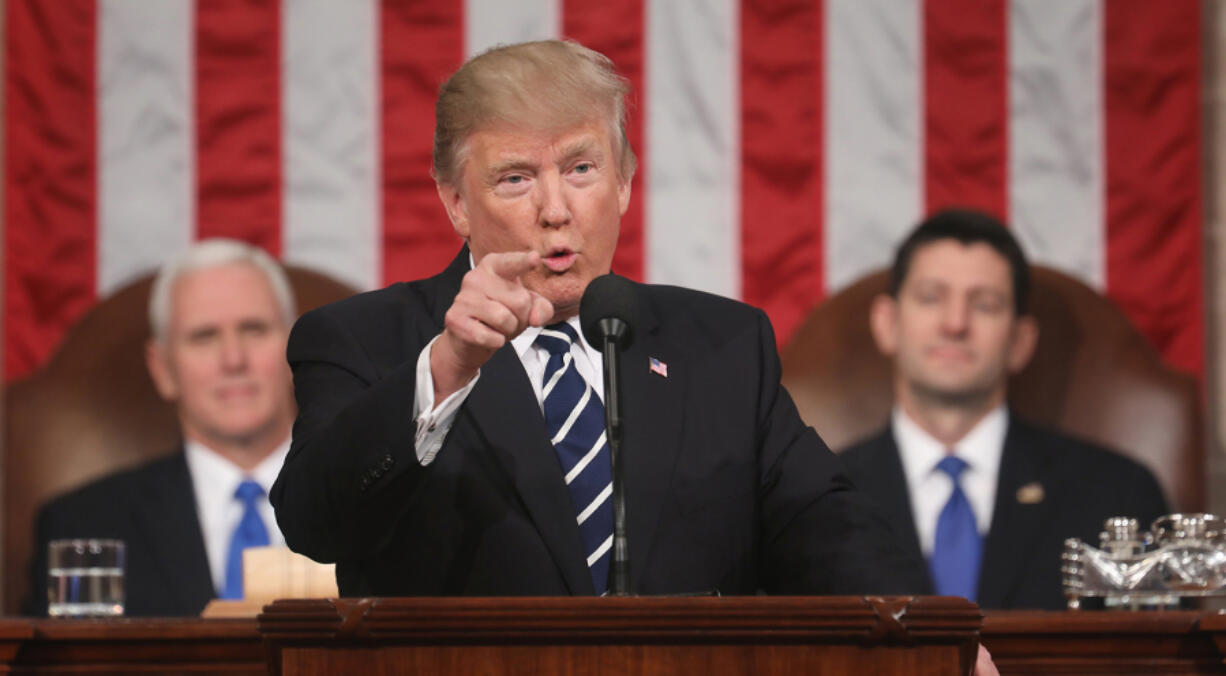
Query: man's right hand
493	307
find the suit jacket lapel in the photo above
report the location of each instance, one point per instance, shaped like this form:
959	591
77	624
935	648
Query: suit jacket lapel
169	521
503	405
891	493
1015	526
653	405
505	408
446	286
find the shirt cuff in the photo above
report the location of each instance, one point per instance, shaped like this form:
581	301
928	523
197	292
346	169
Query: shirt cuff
433	422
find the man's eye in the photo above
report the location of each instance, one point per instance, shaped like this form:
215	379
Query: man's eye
584	167
201	337
989	307
513	180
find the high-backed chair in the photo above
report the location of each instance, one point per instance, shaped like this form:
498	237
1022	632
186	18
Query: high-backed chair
1093	375
92	410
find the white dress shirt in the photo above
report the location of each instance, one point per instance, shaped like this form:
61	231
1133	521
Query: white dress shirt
930	488
433	423
214	480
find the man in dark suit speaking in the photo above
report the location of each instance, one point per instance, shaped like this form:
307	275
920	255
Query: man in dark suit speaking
450	435
987	498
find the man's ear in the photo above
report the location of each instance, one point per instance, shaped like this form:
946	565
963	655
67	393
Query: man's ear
623	194
1023	343
456	208
159	370
883	322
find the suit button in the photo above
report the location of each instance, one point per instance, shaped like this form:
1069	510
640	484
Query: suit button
388	461
365	483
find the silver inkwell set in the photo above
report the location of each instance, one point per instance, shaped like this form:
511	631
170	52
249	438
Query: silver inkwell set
1182	557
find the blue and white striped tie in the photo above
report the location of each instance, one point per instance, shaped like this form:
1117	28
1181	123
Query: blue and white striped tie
574	416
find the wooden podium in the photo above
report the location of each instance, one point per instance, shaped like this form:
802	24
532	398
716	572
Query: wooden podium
658	635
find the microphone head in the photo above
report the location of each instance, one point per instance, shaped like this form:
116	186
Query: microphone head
609	307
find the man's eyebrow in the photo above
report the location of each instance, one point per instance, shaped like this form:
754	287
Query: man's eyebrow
584	146
206	331
509	164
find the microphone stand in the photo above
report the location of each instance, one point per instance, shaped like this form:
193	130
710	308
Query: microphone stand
612	329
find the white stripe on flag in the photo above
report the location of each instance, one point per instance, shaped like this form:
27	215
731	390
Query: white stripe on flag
146	136
693	182
330	139
873	140
1056	135
491	22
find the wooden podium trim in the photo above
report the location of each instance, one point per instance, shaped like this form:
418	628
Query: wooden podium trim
633	619
1106	642
320	631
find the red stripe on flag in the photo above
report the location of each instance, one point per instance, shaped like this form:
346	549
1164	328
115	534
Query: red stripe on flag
616	29
781	146
238	121
1151	69
966	105
422	43
50	175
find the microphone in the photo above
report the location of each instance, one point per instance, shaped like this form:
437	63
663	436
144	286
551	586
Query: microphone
607	314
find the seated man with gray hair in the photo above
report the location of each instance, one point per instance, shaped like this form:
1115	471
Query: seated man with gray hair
220	315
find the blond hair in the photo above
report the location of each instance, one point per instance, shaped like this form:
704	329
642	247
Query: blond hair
551	84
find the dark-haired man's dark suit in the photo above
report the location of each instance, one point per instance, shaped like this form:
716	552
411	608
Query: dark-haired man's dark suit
153	510
726	488
1079	485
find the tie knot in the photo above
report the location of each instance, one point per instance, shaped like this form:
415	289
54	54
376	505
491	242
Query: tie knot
953	466
557	338
249	491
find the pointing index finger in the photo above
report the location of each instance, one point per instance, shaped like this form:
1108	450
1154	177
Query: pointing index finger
511	264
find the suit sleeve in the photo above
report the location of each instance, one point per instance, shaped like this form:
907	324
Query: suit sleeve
353	457
35	602
820	535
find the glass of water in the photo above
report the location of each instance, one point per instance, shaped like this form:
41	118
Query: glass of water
85	578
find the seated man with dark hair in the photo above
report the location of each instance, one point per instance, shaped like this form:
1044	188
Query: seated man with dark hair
220	315
987	499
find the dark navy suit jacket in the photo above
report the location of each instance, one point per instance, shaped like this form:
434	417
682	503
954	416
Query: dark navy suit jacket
727	489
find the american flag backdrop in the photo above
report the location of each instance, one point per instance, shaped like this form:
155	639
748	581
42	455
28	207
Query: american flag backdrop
784	145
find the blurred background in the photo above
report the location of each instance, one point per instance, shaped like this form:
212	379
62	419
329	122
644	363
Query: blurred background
784	145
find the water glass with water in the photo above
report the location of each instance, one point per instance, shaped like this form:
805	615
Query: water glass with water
85	578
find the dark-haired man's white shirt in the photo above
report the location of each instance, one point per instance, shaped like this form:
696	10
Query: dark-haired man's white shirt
929	488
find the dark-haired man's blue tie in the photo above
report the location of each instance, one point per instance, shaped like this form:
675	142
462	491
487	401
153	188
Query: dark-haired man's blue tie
958	547
574	416
250	532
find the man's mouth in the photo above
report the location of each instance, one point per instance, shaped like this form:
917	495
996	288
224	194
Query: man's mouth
236	392
559	260
950	353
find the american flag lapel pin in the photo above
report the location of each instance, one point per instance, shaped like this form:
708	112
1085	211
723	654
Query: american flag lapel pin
657	367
